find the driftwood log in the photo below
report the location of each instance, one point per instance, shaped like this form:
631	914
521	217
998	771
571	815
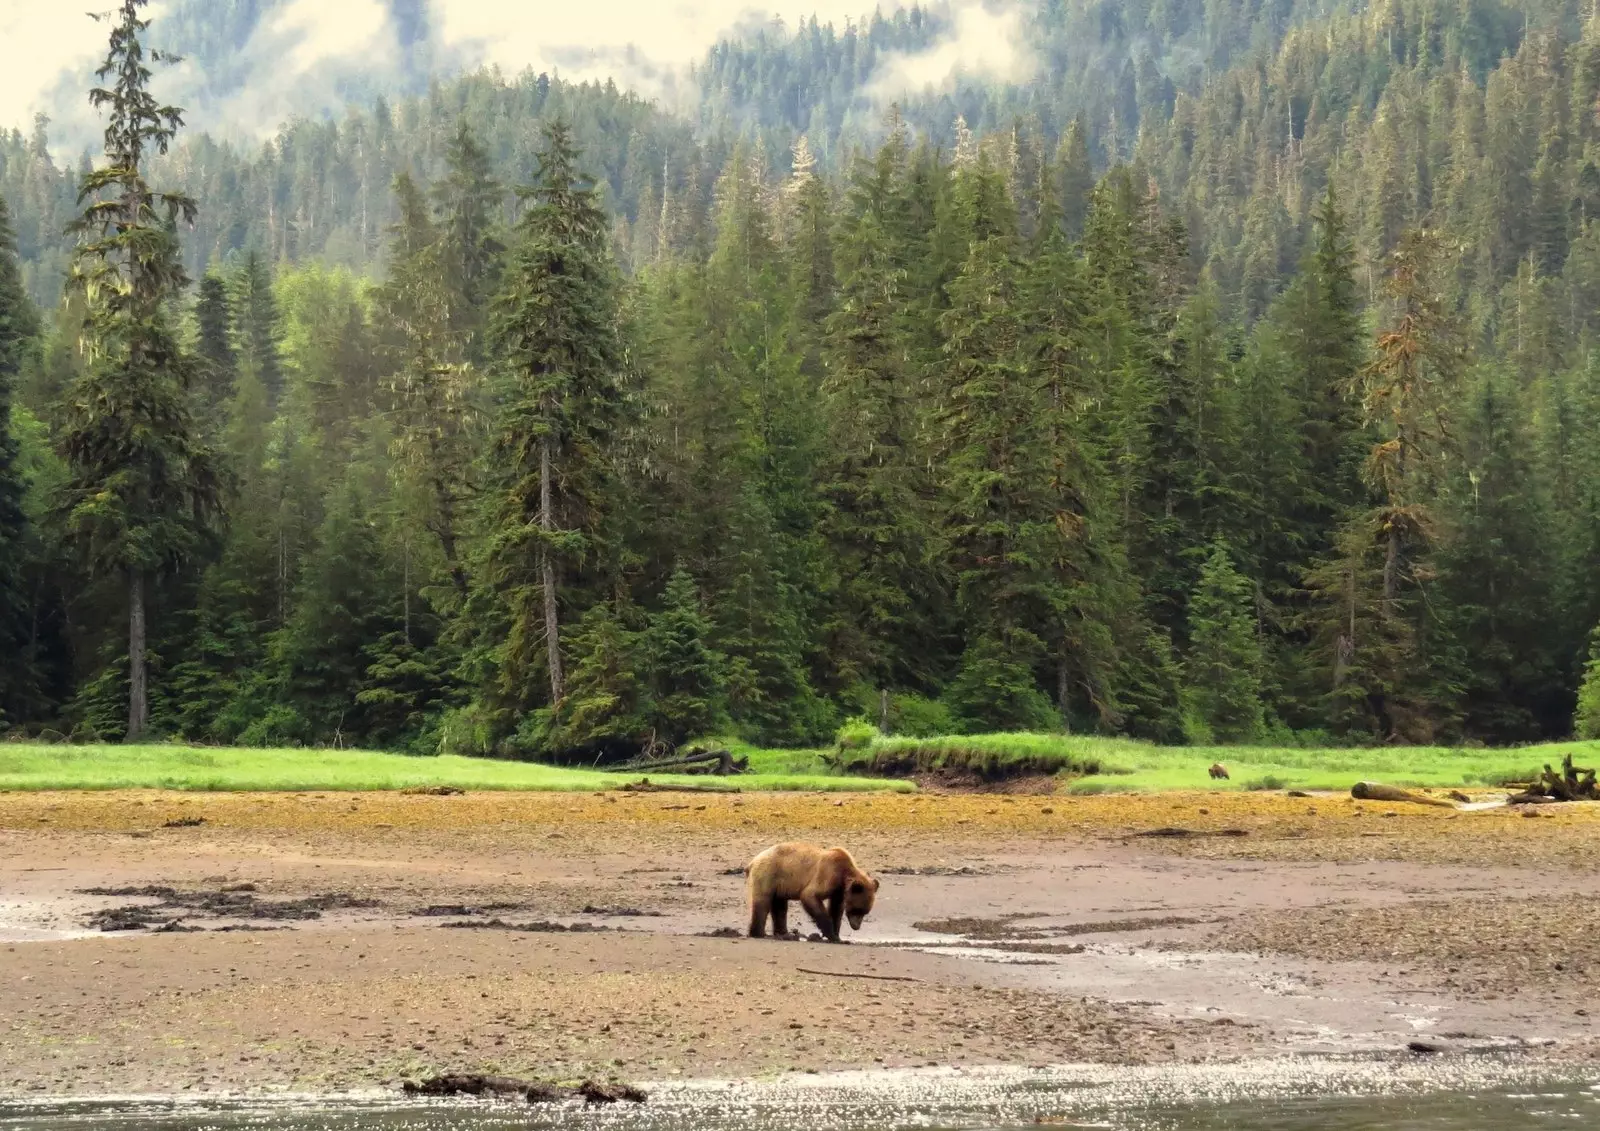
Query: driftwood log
1377	791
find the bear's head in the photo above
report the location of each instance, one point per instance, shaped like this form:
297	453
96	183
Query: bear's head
858	896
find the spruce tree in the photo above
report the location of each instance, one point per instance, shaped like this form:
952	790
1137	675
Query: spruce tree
1222	669
432	385
258	332
468	203
685	673
556	336
142	484
217	359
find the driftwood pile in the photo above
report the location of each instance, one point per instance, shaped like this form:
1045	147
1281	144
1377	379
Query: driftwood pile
1573	783
533	1091
718	762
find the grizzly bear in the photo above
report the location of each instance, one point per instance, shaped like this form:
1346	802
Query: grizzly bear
1218	770
826	881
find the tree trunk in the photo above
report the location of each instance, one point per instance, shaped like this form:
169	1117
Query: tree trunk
552	621
1391	569
138	693
1063	690
444	499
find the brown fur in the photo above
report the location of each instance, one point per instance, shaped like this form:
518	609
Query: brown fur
1218	770
827	882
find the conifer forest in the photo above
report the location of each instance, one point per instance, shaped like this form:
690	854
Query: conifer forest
1235	377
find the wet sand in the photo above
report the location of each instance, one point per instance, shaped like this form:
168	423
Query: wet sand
1010	930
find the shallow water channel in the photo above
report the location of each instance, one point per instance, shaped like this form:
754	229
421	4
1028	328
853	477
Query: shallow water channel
1265	1096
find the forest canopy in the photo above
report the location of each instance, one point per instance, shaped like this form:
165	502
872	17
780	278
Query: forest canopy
1255	401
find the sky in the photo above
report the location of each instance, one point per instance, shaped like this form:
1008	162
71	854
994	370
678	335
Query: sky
306	56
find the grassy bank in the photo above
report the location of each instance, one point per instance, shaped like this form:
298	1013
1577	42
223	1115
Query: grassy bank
26	766
1093	765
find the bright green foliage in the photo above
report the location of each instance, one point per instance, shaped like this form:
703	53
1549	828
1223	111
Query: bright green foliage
1587	724
995	688
1222	671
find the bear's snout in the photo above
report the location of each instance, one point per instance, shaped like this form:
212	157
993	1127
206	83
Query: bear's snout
855	920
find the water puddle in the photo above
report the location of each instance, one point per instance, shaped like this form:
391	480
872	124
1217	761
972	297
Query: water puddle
1289	1095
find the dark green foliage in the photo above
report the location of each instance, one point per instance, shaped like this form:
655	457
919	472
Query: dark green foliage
555	333
256	328
216	358
18	331
995	688
1222	671
685	674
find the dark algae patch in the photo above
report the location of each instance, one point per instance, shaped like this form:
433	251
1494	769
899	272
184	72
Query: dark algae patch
237	901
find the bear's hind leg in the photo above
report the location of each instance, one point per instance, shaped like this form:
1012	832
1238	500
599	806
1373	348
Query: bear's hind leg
780	917
759	907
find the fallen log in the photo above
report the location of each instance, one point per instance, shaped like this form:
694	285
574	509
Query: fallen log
719	762
1377	791
645	785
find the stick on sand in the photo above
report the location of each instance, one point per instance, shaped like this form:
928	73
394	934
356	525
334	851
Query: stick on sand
848	974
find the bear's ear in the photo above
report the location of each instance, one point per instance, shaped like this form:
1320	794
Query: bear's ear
875	883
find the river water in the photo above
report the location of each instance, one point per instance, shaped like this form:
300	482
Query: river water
1286	1095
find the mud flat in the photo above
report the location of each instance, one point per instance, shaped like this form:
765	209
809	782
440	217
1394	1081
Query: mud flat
197	944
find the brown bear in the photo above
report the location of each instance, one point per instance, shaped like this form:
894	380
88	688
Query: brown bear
1218	770
827	882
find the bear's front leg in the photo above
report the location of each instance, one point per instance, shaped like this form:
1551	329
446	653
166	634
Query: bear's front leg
819	915
836	916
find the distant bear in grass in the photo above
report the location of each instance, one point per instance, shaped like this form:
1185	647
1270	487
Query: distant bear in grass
826	881
1218	770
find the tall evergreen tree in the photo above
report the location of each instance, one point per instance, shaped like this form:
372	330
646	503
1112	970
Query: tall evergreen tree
142	484
468	201
556	333
432	384
217	360
258	332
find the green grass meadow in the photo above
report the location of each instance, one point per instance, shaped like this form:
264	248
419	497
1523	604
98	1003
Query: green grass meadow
1091	764
1083	765
27	766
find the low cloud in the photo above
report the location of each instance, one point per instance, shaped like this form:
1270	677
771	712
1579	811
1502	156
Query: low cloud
310	57
642	44
986	40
